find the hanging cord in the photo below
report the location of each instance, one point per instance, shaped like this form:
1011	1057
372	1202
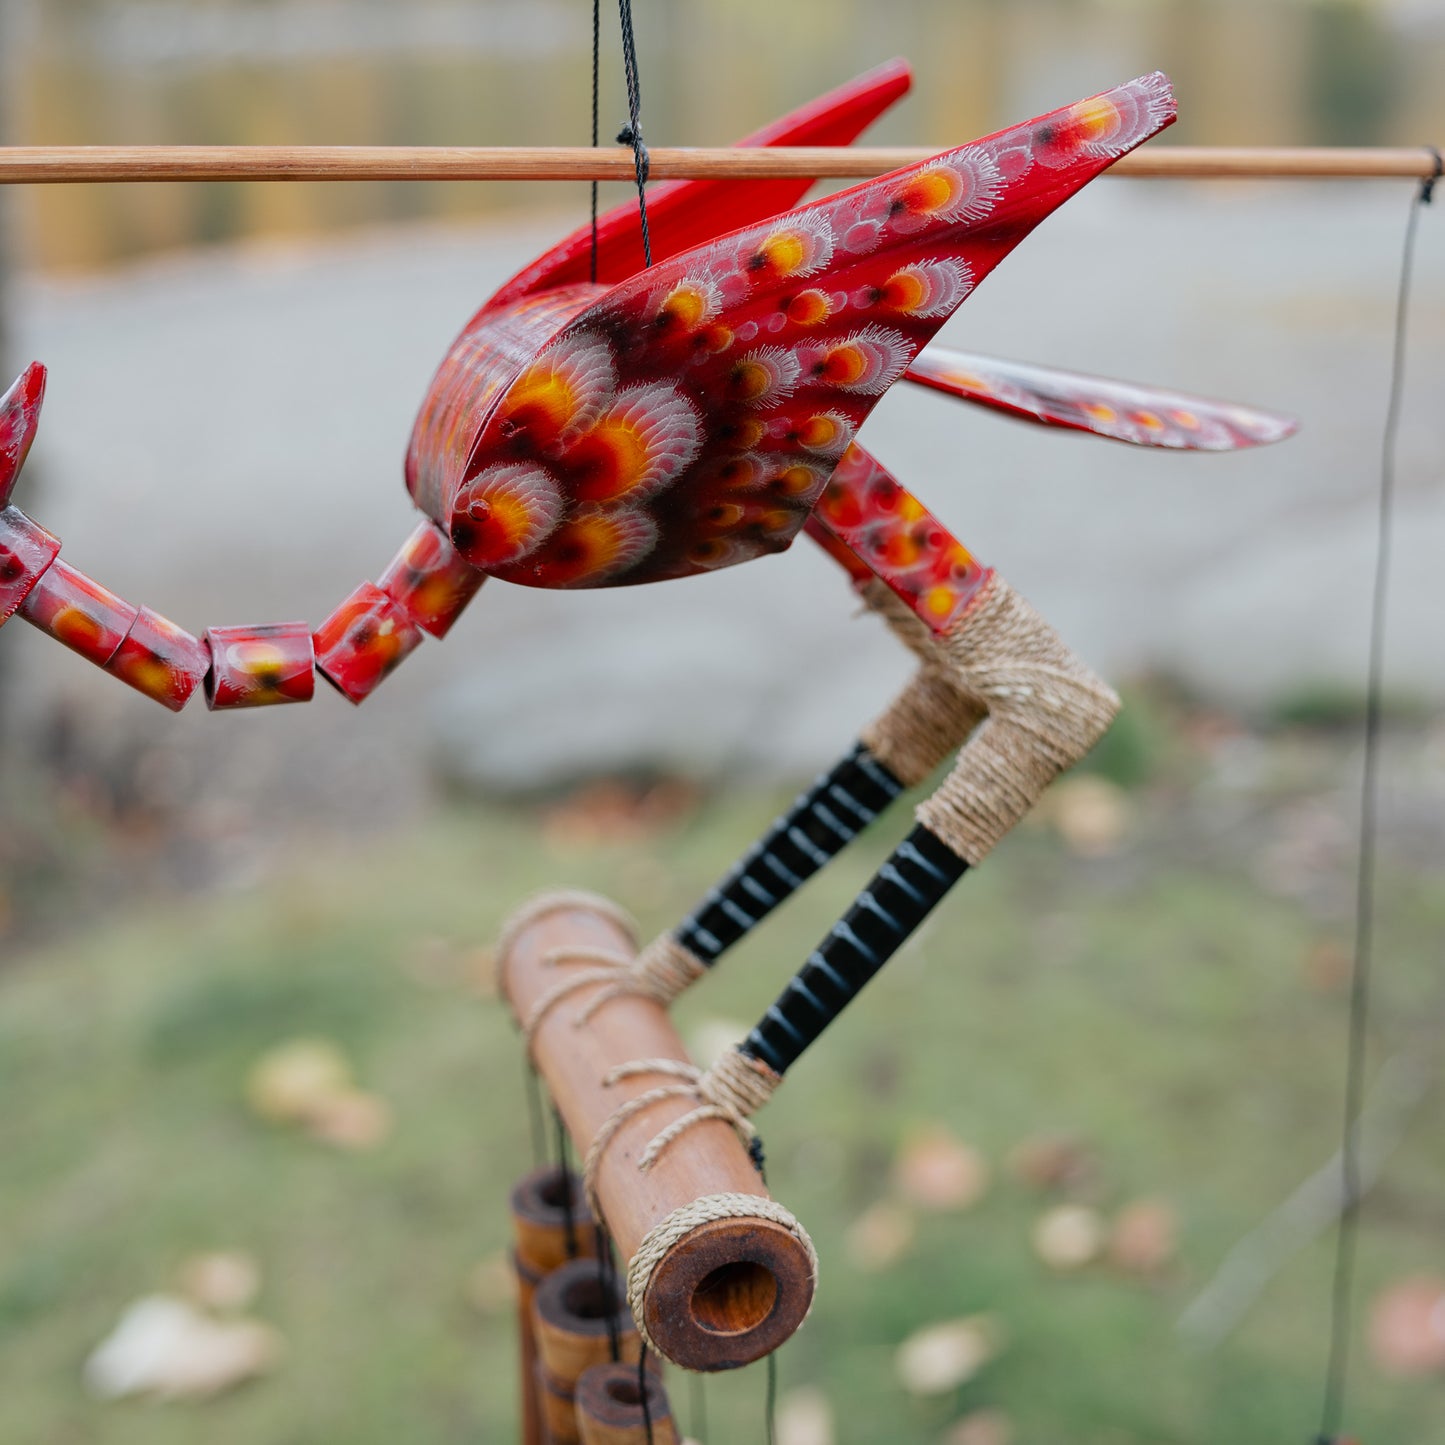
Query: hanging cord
607	1284
564	1163
642	1391
1347	1238
697	1405
532	1086
596	73
631	133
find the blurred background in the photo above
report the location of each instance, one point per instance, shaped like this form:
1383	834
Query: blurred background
248	1052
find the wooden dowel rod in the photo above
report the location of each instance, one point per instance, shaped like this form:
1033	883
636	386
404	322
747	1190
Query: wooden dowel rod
50	164
729	1290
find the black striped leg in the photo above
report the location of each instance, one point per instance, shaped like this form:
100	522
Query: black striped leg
822	821
903	892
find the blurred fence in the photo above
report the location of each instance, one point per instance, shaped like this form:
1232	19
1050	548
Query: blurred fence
517	71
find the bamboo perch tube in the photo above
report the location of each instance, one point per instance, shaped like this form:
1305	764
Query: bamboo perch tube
728	1290
49	164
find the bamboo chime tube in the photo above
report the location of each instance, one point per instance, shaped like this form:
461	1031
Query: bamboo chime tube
729	1290
550	1225
50	164
576	1316
609	1408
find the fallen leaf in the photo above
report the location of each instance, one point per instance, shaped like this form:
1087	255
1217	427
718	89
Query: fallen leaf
350	1119
1407	1327
1092	815
982	1427
1069	1236
936	1170
221	1281
1047	1162
942	1357
805	1418
288	1083
881	1236
1327	966
1145	1236
492	1285
165	1347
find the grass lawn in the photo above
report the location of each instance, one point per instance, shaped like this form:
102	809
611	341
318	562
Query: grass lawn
1155	1005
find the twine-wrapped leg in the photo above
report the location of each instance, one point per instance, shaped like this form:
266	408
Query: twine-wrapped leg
922	727
1045	710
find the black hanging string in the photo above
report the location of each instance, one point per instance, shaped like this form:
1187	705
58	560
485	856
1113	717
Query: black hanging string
564	1165
631	133
596	72
607	1286
532	1086
1347	1237
642	1391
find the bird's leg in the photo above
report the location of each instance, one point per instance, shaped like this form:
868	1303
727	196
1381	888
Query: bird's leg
423	590
1044	711
922	727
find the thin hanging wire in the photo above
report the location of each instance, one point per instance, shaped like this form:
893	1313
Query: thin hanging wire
532	1086
1347	1238
631	134
596	74
564	1164
607	1286
697	1406
642	1391
770	1404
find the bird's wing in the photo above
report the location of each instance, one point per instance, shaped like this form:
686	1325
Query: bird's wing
691	417
684	214
1146	416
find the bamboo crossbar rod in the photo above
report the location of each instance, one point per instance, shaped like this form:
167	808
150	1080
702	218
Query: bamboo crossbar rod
726	1290
29	165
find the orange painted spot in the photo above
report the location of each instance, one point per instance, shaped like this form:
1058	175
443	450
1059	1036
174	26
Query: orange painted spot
1100	412
783	253
502	523
809	307
929	191
820	432
840	508
750	380
795	481
904	291
939	601
745	434
148	673
541	403
1186	419
1094	119
611	459
581	548
685	307
1148	420
76	628
844	365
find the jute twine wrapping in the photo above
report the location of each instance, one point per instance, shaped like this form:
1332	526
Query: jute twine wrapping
670	1231
1045	711
931	718
553	900
733	1090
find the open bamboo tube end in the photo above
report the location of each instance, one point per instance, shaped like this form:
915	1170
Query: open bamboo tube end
732	1274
